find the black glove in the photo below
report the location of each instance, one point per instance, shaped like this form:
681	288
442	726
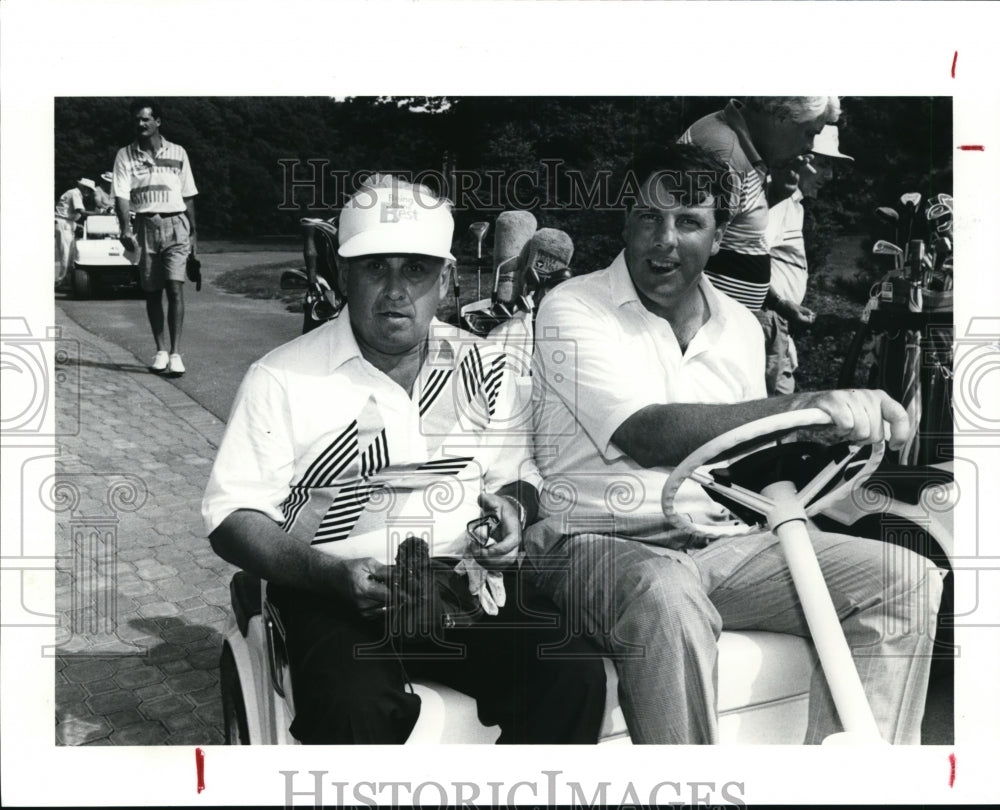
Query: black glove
194	271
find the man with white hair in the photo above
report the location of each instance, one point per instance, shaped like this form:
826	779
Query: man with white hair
71	209
381	424
752	137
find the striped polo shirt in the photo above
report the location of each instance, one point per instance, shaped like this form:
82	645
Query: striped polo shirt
374	463
742	267
153	183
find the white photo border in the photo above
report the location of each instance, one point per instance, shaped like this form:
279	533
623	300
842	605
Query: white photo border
53	48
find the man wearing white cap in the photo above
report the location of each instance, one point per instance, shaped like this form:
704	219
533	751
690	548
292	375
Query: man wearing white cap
789	268
70	210
380	425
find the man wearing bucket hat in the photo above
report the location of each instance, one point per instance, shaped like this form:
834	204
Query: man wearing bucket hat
71	209
789	268
379	425
104	201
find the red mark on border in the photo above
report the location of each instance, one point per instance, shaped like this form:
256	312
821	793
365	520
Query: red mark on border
951	779
954	61
199	761
973	148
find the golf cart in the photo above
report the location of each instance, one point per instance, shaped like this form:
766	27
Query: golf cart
763	677
99	260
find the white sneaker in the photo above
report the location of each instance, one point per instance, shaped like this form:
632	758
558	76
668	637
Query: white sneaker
160	362
176	365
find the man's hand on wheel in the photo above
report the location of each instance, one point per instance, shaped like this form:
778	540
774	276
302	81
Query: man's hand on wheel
861	415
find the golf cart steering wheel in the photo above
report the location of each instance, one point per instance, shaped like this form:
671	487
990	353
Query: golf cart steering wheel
821	474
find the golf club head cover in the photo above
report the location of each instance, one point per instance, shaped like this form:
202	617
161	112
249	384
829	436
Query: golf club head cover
513	230
549	253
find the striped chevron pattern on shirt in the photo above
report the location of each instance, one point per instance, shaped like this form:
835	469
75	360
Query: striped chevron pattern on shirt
435	384
345	511
343	514
476	378
323	472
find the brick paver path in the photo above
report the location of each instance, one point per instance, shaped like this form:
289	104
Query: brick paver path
142	600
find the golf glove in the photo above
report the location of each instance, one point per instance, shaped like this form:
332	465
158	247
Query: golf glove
486	585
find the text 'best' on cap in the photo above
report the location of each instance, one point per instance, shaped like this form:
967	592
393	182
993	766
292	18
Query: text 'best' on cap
390	215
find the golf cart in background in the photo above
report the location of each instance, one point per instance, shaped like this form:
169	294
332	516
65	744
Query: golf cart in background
99	260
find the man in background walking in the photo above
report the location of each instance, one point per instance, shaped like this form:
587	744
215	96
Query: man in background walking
153	180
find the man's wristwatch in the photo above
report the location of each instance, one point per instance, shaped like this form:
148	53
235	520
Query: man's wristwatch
522	515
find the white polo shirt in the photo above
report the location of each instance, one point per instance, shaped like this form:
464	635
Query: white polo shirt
789	269
601	356
341	457
153	183
70	205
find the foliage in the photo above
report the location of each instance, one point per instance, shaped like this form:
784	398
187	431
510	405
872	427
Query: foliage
241	150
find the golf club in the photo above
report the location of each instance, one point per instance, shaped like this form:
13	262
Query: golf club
941	215
911	202
942	254
884	248
915	251
889	216
478	230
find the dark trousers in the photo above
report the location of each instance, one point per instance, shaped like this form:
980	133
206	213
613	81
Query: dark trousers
349	676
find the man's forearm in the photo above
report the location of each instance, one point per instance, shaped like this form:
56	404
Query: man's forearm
122	212
663	435
189	206
776	303
255	543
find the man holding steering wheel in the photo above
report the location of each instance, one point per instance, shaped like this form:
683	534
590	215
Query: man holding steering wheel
635	367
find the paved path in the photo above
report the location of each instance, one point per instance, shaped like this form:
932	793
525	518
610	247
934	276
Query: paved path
143	601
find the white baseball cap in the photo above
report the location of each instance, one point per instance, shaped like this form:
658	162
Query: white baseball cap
828	143
87	182
390	215
107	177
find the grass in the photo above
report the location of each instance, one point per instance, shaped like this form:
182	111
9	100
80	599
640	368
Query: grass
261	244
261	282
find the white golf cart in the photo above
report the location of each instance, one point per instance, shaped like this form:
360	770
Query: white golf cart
99	260
763	677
